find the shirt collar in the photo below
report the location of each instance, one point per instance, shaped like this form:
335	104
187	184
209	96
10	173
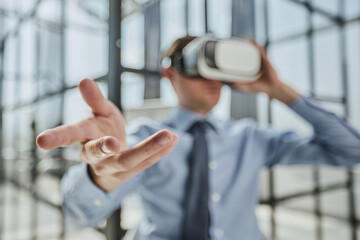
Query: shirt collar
182	119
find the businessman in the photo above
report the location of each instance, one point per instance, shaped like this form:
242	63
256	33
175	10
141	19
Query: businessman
196	175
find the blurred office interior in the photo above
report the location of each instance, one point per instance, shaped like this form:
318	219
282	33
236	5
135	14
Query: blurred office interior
48	46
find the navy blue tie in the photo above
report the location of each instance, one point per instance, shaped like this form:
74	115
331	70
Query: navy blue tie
197	218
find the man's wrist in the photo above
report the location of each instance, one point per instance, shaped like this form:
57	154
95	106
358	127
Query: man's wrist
284	94
106	184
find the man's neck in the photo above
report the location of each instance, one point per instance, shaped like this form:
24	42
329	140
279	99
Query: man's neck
199	111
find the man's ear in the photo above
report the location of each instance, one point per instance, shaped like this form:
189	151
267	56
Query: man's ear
168	73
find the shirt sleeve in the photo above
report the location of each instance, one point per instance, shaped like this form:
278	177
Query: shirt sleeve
334	141
85	204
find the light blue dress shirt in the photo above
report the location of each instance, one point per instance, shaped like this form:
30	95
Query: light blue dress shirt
238	150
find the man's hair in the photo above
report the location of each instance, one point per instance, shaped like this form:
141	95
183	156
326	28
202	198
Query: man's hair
176	47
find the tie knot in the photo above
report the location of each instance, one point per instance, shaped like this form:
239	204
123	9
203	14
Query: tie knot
198	126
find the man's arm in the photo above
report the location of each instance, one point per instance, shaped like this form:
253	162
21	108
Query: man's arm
109	164
335	142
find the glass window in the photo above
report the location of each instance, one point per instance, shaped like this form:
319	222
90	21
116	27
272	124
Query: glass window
353	70
332	175
172	17
196	17
330	203
27	47
48	112
352	8
285	19
320	21
50	10
86	55
327	63
290	180
335	229
132	90
132	42
88	14
330	6
220	17
291	61
293	224
75	108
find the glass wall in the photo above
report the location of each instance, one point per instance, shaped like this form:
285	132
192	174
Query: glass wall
48	46
315	48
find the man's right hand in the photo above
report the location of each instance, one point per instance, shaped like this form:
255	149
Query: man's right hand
103	141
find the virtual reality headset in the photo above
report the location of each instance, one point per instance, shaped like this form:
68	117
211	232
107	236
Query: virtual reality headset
219	59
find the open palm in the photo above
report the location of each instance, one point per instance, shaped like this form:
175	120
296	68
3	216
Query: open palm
103	141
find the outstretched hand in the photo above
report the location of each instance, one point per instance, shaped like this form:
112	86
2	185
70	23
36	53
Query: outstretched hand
103	141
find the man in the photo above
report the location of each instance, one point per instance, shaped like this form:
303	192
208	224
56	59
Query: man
182	197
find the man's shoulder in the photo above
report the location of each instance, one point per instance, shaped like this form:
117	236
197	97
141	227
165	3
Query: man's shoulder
239	124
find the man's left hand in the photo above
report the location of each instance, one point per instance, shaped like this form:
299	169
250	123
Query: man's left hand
268	82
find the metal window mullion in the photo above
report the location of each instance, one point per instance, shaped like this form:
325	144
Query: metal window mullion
315	171
2	165
152	48
345	93
206	20
271	181
187	17
17	139
113	231
62	104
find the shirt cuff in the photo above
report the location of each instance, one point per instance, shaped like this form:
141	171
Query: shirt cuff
85	202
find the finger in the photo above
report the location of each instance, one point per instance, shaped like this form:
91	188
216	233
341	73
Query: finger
122	176
97	150
94	98
150	146
62	136
261	49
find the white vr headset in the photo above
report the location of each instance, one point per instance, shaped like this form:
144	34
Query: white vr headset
220	59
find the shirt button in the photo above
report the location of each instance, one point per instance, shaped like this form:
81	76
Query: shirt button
212	165
97	202
219	233
216	197
81	220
